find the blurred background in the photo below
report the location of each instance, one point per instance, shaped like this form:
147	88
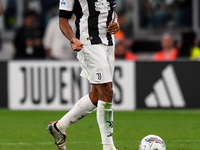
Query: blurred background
157	52
151	30
156	80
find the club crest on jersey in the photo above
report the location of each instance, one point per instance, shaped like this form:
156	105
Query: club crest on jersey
63	2
99	6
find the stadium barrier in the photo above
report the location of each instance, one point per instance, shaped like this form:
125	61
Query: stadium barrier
3	85
55	85
168	84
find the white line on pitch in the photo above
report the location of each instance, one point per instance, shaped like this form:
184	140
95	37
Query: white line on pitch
41	143
27	143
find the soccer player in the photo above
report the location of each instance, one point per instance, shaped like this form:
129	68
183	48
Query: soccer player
96	22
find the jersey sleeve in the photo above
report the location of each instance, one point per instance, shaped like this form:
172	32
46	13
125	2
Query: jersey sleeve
66	8
113	3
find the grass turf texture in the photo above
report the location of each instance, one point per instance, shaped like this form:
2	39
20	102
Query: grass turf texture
25	130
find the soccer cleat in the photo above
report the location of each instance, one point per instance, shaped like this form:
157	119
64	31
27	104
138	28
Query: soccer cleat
58	136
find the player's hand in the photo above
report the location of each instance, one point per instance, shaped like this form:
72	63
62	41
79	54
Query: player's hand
113	27
76	44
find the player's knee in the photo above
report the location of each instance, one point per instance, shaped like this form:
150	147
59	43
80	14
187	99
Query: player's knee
107	93
110	95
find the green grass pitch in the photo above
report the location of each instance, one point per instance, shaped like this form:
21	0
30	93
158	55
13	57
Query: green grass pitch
26	130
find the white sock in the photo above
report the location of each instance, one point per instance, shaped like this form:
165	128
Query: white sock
105	121
83	107
109	147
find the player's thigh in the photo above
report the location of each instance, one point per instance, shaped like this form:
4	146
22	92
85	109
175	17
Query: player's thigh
105	91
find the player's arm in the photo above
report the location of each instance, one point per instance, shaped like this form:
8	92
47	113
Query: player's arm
113	27
65	13
68	33
66	28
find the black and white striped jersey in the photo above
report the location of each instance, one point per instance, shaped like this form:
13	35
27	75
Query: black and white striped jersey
92	19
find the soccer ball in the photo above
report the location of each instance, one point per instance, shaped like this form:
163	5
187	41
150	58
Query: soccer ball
152	142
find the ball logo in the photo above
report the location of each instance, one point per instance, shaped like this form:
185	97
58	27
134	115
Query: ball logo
156	140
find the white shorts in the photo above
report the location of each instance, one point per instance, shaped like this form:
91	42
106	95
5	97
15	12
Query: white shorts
97	62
